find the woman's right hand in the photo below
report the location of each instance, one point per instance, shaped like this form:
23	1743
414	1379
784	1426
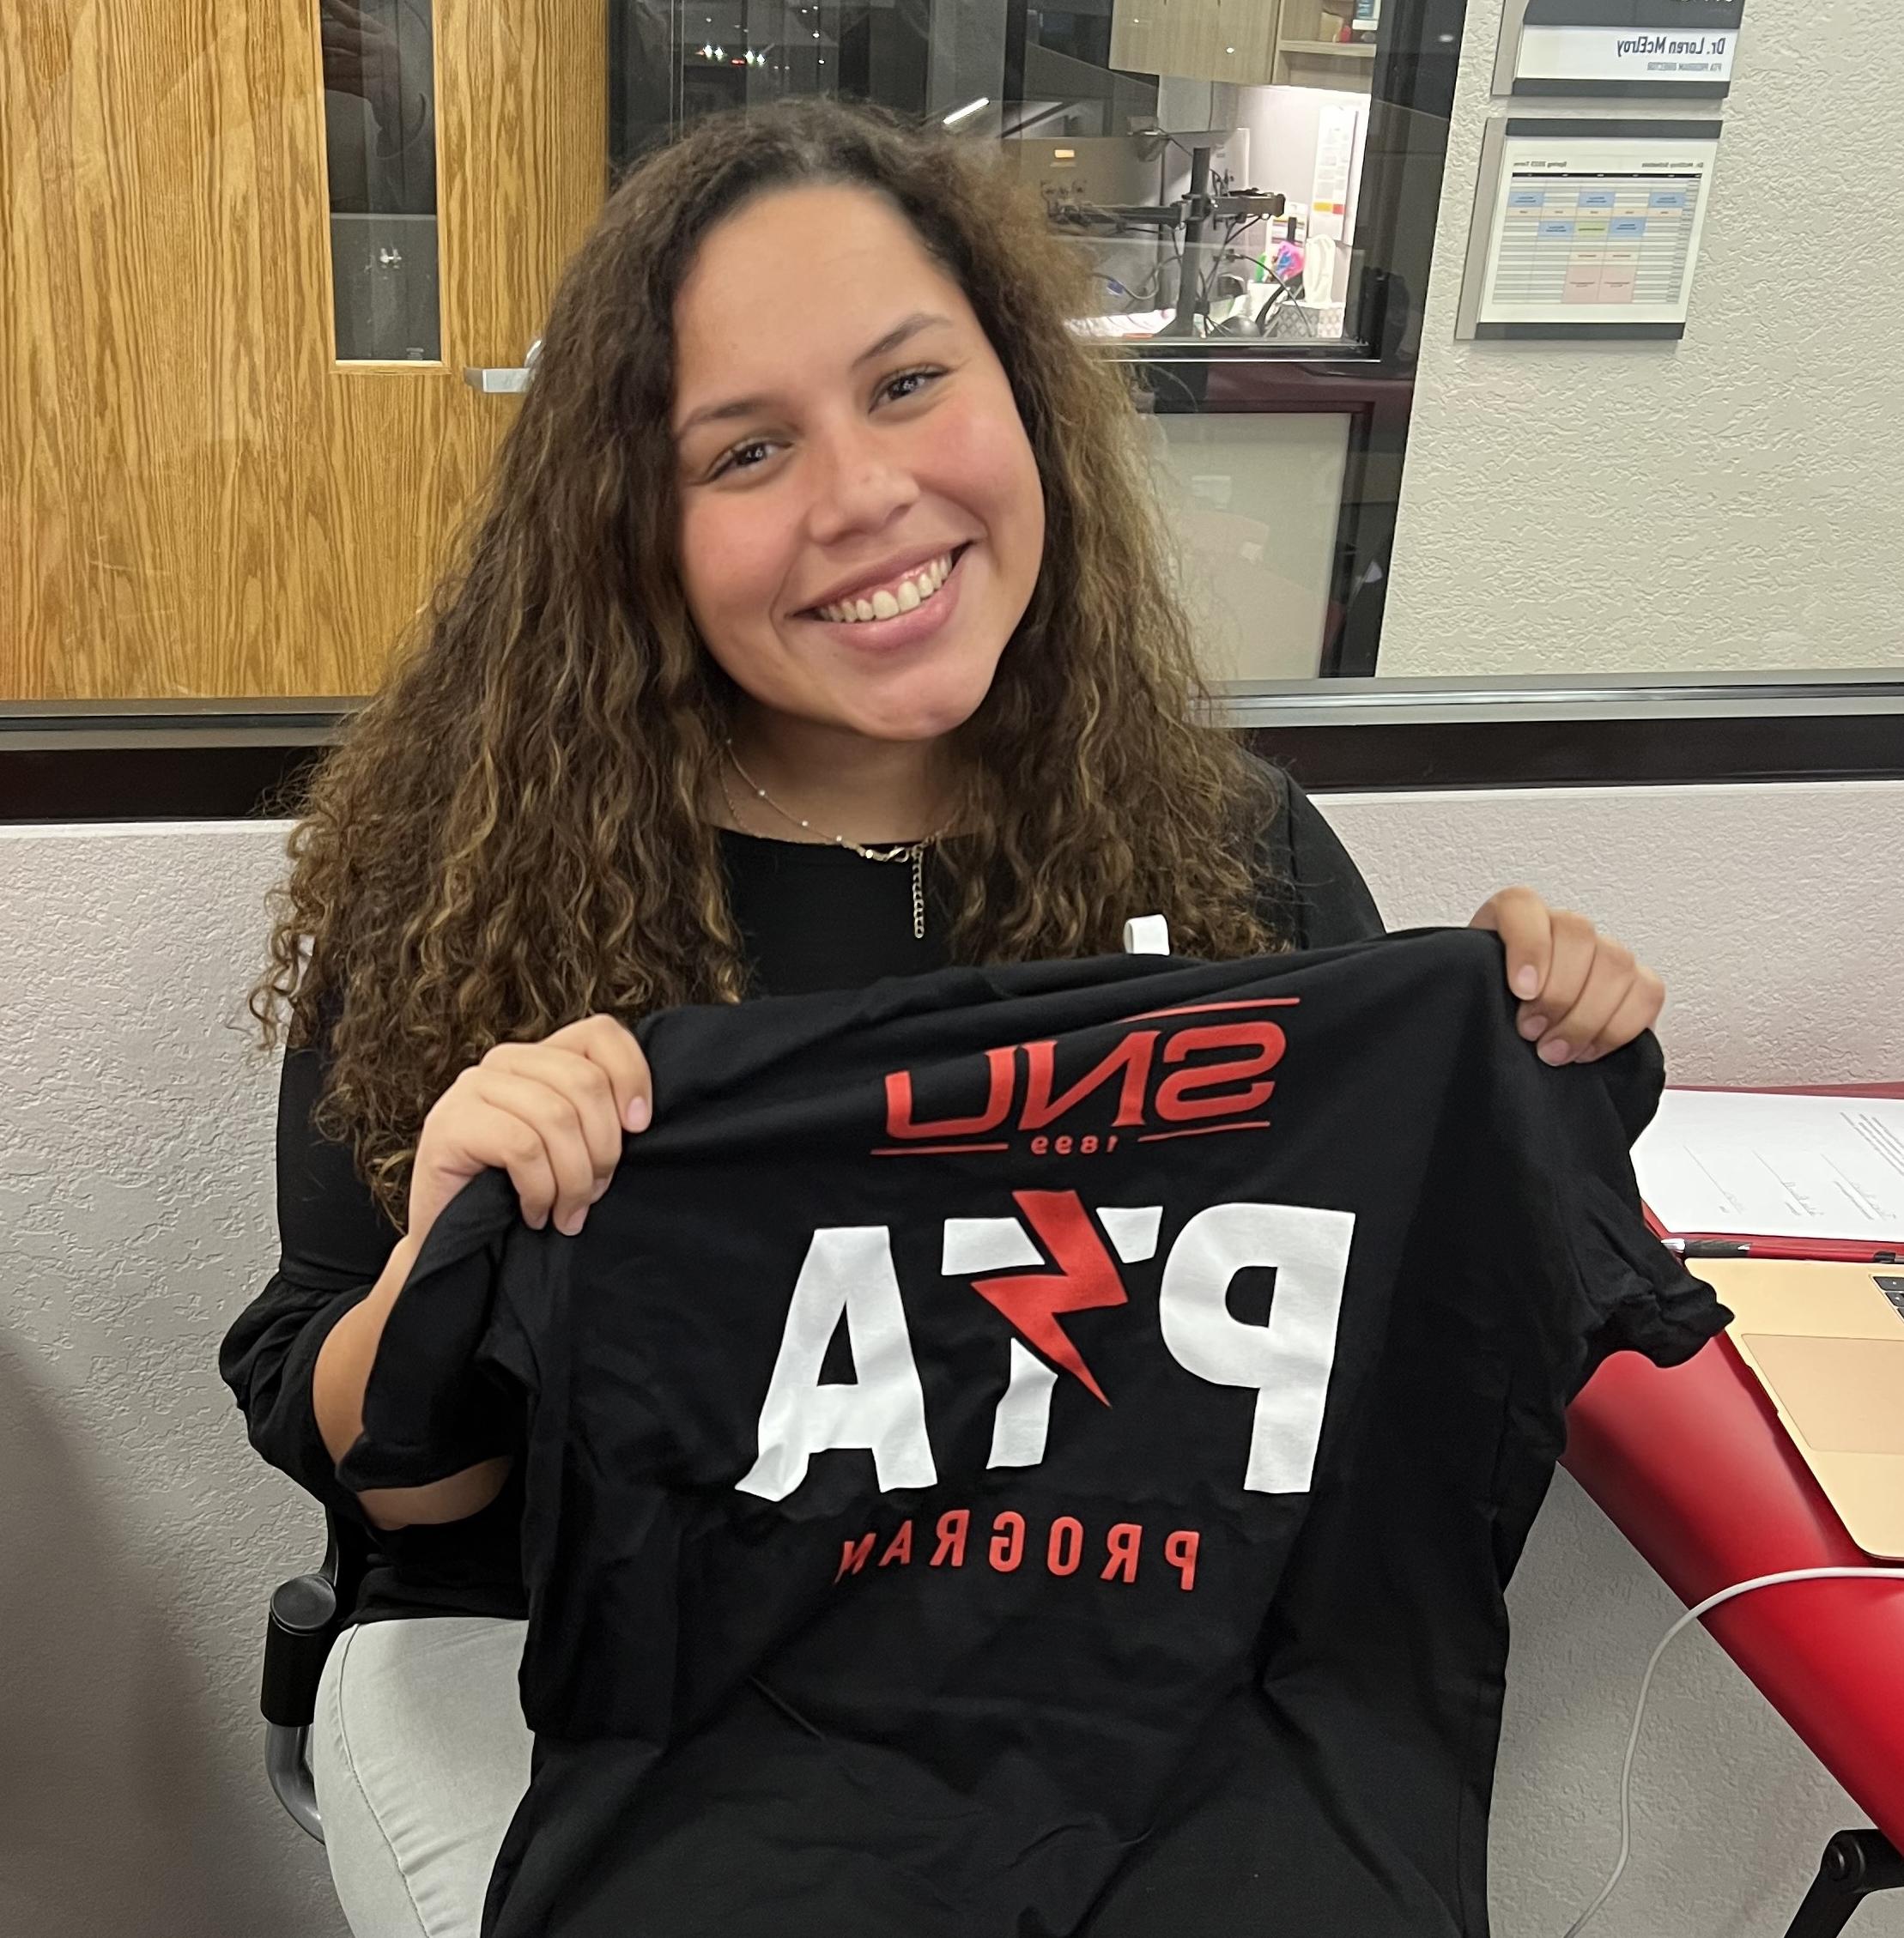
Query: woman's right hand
550	1113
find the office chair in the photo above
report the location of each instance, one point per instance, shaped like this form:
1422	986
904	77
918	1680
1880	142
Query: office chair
306	1615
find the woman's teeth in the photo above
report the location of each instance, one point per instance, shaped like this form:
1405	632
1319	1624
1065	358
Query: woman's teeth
913	590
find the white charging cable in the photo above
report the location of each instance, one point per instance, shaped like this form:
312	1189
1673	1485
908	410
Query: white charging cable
1691	1616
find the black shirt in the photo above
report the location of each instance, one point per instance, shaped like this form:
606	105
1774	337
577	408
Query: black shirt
814	918
1132	1381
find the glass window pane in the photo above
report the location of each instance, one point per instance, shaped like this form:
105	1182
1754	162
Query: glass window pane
379	120
1252	501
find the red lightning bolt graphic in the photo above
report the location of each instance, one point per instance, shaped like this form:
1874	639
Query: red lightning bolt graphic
1086	1277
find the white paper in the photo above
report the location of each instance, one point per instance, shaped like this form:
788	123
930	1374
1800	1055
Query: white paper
1777	1167
1336	129
1145	323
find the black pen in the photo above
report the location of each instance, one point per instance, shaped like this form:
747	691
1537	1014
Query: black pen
1710	1248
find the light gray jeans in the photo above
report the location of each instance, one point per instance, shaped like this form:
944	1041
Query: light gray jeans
421	1756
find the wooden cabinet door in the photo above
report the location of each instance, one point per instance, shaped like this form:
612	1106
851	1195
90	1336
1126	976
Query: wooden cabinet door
197	499
1196	39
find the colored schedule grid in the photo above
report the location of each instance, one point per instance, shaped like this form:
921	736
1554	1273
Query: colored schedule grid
1595	238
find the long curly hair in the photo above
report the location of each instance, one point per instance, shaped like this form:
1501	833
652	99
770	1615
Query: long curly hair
509	837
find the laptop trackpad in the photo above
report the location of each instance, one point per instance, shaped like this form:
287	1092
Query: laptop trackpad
1844	1395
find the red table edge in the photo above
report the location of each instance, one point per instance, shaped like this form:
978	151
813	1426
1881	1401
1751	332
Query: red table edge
1692	1465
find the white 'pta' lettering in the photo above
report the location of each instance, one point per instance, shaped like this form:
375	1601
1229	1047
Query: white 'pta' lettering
1287	1360
848	1272
848	1269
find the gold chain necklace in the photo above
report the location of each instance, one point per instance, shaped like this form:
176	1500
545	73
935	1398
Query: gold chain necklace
912	851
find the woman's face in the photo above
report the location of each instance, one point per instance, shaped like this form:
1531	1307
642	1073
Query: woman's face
862	519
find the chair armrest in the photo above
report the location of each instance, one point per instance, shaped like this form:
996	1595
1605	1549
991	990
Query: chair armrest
302	1623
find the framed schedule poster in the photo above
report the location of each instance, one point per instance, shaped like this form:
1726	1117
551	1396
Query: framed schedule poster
1662	50
1585	228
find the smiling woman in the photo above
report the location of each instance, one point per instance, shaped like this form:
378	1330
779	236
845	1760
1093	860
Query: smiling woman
867	452
814	504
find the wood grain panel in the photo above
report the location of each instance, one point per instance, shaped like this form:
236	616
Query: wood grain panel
1197	39
195	500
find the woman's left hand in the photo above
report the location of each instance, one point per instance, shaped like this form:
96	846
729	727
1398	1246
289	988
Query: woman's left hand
1582	994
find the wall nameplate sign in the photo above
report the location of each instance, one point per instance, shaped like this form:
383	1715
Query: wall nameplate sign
1661	50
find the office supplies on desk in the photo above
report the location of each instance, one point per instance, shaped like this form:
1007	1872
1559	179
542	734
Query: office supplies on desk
1826	1340
1772	1174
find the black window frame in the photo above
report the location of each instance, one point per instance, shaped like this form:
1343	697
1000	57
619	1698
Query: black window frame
155	761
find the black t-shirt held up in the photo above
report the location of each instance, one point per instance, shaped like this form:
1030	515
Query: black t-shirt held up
1033	1449
814	918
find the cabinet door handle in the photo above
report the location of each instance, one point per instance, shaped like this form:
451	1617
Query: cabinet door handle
497	378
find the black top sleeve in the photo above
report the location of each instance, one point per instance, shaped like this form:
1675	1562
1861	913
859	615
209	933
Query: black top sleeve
1637	1295
1557	1158
450	1348
1314	891
333	1240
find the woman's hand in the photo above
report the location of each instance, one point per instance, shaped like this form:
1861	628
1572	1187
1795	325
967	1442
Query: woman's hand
1582	994
550	1113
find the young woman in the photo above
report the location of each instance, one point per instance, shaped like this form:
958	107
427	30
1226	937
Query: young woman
815	628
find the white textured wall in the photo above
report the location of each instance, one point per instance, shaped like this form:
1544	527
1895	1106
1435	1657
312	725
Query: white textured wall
1729	501
142	1537
1772	912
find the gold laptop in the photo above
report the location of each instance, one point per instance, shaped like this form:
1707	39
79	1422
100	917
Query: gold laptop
1827	1342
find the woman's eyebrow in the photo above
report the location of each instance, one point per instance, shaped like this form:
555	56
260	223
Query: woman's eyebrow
901	332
